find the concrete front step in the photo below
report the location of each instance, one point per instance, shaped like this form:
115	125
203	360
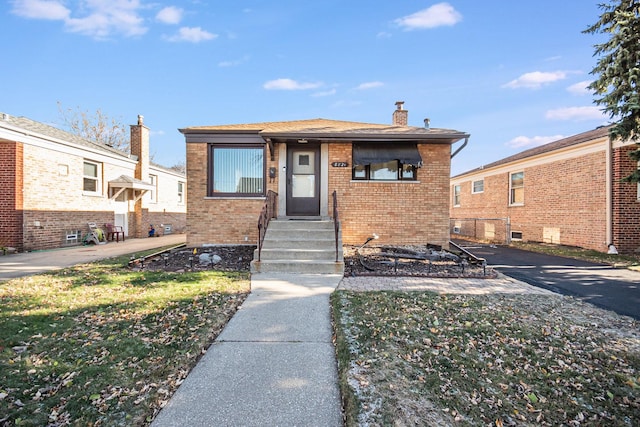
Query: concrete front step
299	247
298	254
297	266
300	244
297	233
302	225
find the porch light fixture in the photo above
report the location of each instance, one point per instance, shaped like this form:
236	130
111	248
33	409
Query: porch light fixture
302	141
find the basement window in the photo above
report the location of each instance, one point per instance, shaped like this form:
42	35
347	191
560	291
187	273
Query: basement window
516	235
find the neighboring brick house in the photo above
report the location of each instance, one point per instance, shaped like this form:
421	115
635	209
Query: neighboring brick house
54	183
392	180
566	192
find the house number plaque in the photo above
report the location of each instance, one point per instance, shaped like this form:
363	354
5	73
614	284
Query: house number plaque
339	164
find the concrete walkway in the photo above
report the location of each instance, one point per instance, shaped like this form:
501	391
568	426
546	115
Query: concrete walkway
24	264
273	365
474	286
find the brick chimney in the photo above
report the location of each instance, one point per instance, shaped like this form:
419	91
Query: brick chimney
140	148
400	115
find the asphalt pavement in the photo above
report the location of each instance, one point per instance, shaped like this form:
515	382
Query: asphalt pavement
615	289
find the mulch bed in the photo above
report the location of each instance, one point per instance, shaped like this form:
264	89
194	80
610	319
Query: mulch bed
372	261
232	258
238	258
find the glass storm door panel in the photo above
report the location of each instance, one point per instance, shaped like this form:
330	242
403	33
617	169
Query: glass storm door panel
303	181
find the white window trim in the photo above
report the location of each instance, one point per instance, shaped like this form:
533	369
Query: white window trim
153	194
473	191
454	195
98	178
517	238
511	188
181	193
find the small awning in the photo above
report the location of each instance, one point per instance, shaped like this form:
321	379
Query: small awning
123	183
367	154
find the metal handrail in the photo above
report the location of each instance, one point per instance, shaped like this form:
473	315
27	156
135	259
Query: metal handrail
336	221
268	211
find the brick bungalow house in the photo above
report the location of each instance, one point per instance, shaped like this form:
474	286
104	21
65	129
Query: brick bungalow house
55	183
566	192
392	180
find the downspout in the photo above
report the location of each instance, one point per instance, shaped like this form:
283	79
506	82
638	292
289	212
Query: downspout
609	192
464	144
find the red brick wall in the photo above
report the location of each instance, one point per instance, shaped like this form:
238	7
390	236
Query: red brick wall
626	206
399	212
11	199
219	220
564	201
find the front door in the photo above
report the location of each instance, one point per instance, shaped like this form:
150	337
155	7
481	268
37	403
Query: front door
303	180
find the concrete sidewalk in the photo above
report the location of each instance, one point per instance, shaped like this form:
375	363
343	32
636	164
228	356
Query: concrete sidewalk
24	264
273	364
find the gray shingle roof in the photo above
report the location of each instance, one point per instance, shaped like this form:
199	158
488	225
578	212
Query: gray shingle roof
324	128
53	132
546	148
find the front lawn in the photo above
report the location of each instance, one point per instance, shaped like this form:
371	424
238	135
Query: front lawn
98	344
419	358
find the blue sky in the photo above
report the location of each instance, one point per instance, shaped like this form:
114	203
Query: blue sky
510	73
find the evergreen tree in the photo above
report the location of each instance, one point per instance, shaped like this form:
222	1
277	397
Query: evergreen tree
618	71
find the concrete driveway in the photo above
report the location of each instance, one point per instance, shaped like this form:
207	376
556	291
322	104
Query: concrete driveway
600	284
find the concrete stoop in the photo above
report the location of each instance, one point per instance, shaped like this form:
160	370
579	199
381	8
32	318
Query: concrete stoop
294	246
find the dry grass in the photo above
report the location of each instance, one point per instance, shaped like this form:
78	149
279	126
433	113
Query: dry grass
100	345
418	358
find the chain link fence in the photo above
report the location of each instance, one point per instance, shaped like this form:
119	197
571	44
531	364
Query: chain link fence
493	230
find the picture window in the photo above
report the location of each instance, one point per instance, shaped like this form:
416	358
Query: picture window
237	170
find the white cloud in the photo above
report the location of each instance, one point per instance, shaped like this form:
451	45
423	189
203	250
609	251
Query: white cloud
580	88
192	35
289	84
438	15
170	15
383	35
325	93
369	85
41	9
98	18
536	79
576	113
534	141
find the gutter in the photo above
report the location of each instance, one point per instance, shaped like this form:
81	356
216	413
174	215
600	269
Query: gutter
609	193
464	144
